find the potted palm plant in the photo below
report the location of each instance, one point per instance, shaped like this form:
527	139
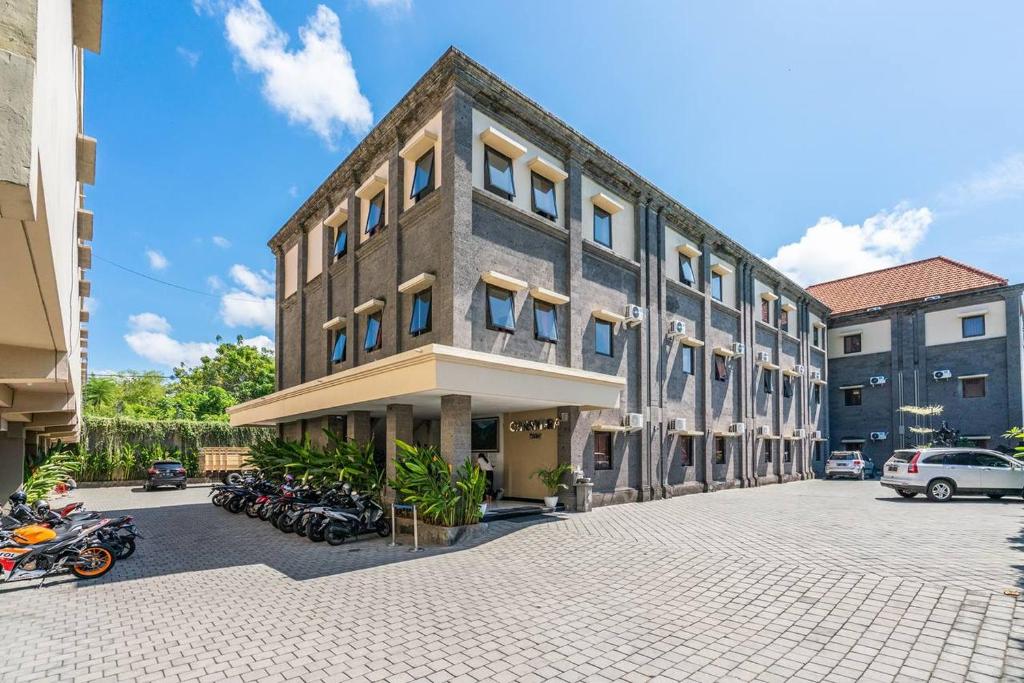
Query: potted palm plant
552	480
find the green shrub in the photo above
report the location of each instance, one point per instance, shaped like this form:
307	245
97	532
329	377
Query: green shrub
424	479
552	478
58	465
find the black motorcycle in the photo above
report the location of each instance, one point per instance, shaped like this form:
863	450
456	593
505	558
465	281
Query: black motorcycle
368	516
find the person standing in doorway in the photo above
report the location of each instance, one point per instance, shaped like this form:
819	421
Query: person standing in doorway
488	469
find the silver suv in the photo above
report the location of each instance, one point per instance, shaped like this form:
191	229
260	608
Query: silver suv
941	473
848	464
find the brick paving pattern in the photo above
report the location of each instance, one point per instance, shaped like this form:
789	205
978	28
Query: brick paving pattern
834	581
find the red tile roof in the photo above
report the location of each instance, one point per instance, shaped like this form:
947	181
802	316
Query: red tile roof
908	282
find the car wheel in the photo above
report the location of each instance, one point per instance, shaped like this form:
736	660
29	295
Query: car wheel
906	494
994	496
940	490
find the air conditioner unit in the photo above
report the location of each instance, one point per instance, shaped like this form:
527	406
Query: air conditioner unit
799	433
764	430
942	374
816	434
677	424
877	380
738	349
800	368
816	375
874	309
634	314
737	428
764	357
677	328
633	421
933	297
879	436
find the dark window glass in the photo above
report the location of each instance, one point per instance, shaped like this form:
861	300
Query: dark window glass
686	450
816	332
375	215
544	197
973	326
766	311
341	242
721	368
716	286
498	174
769	451
989	460
938	459
420	322
784	320
545	321
974	387
603	337
817	394
500	309
423	176
602	450
963	459
857	446
852	397
768	381
484	434
686	270
340	342
787	386
602	227
851	343
787	451
372	340
817	451
686	358
978	443
719	450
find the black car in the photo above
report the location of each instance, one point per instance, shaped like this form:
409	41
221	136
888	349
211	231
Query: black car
166	473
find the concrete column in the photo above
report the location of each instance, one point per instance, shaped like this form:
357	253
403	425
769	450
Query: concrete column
570	448
647	331
12	458
1014	359
348	295
327	249
391	325
279	321
456	418
358	425
462	278
704	402
300	302
578	318
398	426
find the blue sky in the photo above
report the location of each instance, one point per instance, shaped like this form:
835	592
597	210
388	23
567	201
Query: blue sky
830	137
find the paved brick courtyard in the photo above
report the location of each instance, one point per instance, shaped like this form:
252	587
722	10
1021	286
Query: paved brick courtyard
814	580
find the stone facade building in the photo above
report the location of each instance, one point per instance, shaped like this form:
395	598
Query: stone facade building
932	332
478	275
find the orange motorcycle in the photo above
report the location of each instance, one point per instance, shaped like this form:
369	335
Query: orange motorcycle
37	552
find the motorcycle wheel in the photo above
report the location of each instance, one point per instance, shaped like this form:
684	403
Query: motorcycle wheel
264	513
383	528
285	524
234	506
93	562
335	534
300	525
314	531
252	510
218	498
234	479
127	549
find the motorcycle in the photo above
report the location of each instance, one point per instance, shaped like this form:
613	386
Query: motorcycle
119	534
369	516
36	552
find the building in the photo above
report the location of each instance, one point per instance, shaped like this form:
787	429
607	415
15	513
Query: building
478	275
46	159
932	332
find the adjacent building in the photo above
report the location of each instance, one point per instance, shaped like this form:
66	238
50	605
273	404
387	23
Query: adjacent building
928	333
479	276
46	159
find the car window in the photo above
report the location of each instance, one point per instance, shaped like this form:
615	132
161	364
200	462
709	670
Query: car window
167	463
989	460
841	456
903	456
963	459
935	459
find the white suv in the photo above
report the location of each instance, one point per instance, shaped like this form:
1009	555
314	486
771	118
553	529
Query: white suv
941	473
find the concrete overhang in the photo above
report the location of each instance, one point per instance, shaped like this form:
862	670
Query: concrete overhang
19	365
47	420
85	159
420	378
85	220
84	256
87	24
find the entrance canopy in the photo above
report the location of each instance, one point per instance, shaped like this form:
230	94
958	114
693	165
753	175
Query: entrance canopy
420	378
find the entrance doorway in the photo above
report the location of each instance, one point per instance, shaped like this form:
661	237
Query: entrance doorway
526	451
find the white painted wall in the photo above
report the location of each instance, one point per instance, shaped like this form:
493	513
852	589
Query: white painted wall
314	252
432	126
291	270
876	337
520	170
623	222
945	327
673	240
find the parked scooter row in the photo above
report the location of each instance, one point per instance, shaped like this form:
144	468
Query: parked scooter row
38	542
334	514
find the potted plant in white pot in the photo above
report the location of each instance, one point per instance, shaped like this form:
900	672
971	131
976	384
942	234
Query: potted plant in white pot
552	480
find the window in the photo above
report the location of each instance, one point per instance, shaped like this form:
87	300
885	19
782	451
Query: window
817	451
686	358
498	174
989	460
768	381
855	446
602	450
784	320
787	386
963	459
483	434
852	397
500	309
978	443
375	214
769	451
603	338
686	270
973	387
721	368
816	393
816	333
716	286
545	321
340	342
973	326
372	341
766	311
423	176
341	242
851	343
787	451
602	227
420	322
719	450
686	451
544	197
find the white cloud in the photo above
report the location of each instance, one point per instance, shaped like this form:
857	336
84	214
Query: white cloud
389	4
1002	180
315	86
190	57
222	242
251	303
214	283
293	191
830	250
260	341
149	337
157	261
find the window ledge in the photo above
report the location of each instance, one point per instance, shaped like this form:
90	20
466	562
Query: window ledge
494	138
603	201
418	145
